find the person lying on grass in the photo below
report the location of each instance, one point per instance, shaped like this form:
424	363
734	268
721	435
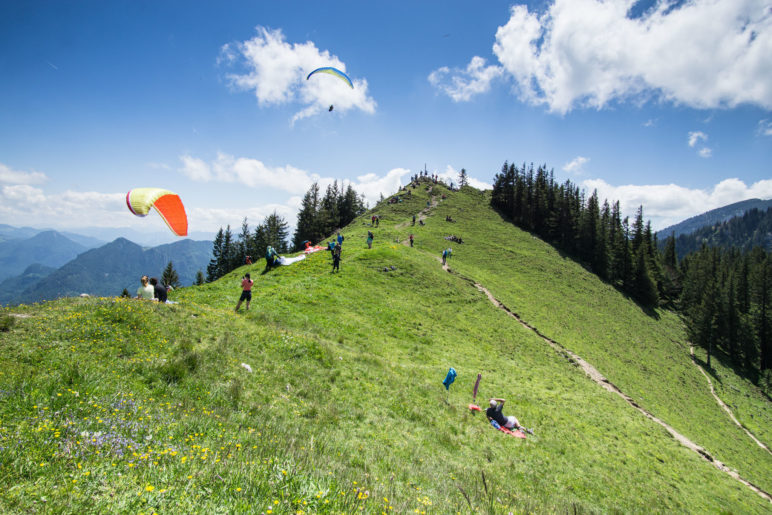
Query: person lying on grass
495	414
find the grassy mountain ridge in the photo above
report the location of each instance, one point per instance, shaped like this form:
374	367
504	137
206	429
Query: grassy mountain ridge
345	409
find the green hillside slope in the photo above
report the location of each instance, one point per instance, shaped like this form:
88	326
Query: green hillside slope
111	405
646	356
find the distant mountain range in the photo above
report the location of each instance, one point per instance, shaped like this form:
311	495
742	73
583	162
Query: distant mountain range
713	217
48	248
751	229
12	286
98	236
48	265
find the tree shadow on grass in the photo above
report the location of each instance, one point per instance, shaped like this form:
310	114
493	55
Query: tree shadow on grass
738	368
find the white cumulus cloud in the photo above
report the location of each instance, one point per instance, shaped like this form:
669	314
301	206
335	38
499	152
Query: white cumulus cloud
451	175
590	53
765	127
576	165
461	85
372	185
247	171
23	204
705	152
668	204
697	136
275	71
9	176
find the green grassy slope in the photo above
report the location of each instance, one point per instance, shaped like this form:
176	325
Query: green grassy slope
123	406
646	356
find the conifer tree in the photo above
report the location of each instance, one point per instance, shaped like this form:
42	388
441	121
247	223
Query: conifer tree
308	224
463	180
259	242
626	257
587	239
276	231
350	207
199	278
671	278
638	235
761	283
230	253
214	269
329	214
644	286
170	277
242	245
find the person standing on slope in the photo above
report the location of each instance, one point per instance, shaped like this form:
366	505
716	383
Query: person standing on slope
336	258
369	239
246	291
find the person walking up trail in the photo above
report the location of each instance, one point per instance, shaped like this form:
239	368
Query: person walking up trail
246	291
411	240
369	239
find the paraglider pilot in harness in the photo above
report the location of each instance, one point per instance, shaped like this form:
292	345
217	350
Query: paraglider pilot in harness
271	257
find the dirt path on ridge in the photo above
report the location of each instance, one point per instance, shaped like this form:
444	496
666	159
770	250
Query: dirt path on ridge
598	378
723	405
424	212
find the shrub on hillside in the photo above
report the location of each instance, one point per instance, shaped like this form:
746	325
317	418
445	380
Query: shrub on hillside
6	322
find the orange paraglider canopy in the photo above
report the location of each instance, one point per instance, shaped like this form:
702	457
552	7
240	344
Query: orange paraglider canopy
166	203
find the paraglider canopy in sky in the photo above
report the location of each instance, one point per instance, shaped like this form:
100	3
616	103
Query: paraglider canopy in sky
335	72
166	203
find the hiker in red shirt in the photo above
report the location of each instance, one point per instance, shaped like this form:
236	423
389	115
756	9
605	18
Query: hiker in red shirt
246	291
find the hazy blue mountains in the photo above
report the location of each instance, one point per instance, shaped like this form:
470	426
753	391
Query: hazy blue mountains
752	229
107	270
49	248
13	286
714	216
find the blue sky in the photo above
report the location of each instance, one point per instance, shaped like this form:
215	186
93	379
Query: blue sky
665	104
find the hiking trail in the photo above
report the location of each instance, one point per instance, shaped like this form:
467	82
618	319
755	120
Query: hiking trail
723	404
424	212
598	378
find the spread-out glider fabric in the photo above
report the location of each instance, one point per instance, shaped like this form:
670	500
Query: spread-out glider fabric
517	433
288	261
166	203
